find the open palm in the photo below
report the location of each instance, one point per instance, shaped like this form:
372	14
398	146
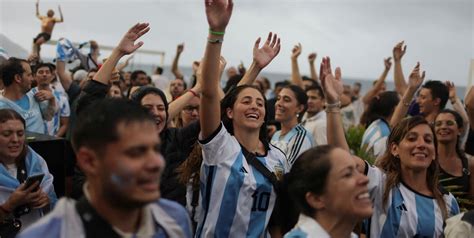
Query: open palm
332	83
263	56
127	44
416	77
218	13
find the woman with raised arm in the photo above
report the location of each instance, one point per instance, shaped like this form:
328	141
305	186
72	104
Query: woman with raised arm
239	165
404	187
455	168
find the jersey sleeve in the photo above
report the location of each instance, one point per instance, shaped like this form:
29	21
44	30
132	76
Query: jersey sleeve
376	181
218	146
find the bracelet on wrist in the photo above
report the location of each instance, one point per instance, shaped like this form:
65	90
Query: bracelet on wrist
217	33
333	110
333	105
406	104
194	93
215	41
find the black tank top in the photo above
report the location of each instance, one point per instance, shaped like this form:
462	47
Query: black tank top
458	186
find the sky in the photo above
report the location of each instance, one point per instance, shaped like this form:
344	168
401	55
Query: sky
356	34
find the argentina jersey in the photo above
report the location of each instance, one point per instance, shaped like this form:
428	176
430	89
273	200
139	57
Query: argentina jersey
294	143
407	212
375	137
237	200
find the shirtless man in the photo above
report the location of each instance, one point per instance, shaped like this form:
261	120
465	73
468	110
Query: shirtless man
47	25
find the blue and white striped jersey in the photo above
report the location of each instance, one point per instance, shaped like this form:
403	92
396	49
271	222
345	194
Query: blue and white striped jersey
62	103
375	138
407	212
237	200
294	143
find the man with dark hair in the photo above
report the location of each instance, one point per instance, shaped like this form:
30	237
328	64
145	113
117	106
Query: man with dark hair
314	120
43	74
118	148
139	78
34	107
177	87
432	98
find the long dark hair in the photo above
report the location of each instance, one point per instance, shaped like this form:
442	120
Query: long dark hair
228	102
380	107
9	114
460	125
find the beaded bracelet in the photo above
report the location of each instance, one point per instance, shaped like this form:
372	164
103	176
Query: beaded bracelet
218	33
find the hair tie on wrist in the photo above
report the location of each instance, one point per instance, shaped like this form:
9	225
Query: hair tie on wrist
219	33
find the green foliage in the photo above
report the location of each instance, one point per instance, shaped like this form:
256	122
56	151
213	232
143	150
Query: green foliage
354	138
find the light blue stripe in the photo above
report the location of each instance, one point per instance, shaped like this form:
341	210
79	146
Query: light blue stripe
296	233
257	218
392	223
426	216
209	173
454	207
230	198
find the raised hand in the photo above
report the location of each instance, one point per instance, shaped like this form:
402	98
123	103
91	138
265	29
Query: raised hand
399	50
312	57
180	48
388	63
331	83
452	89
270	49
218	14
296	51
416	77
127	44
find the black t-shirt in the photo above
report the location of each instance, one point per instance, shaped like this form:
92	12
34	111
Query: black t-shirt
176	147
469	148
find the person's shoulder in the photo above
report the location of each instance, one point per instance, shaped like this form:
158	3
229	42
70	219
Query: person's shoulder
296	233
175	211
51	225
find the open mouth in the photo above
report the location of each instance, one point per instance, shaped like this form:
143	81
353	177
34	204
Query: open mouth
420	155
254	116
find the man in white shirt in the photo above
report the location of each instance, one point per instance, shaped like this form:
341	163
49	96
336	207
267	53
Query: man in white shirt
314	120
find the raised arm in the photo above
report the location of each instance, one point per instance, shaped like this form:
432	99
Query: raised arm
126	46
261	57
64	77
469	101
174	67
379	84
122	66
218	14
295	70
414	81
457	105
312	67
61	17
398	52
37	10
333	88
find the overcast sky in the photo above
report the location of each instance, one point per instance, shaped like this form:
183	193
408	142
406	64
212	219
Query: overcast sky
357	34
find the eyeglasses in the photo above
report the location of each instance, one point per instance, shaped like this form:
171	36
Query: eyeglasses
190	109
448	123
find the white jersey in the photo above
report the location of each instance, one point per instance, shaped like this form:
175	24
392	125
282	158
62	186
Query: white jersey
407	212
294	143
307	227
237	200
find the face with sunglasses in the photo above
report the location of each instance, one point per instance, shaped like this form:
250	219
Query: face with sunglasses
446	128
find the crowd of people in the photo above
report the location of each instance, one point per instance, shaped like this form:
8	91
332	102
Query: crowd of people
186	157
